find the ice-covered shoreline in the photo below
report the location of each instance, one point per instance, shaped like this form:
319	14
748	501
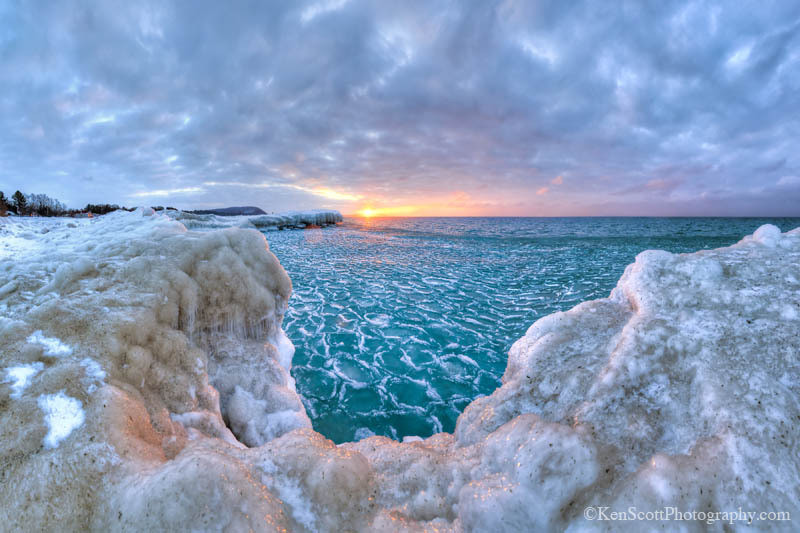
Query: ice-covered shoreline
137	357
277	221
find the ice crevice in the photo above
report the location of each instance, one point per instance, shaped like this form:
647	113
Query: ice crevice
146	386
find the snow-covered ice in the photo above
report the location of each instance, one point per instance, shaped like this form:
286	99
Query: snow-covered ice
62	415
289	219
52	346
678	390
20	377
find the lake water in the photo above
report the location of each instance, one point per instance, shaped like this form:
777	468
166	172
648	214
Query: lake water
399	323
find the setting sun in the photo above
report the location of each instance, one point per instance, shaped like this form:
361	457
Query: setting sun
392	211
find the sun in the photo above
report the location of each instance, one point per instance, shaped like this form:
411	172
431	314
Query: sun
367	212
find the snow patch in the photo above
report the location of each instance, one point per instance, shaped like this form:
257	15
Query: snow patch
62	414
21	376
94	374
52	346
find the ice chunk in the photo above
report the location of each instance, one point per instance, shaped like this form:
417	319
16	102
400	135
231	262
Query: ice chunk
285	349
62	414
767	234
363	433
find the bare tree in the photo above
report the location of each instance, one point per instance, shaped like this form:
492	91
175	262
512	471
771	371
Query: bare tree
43	205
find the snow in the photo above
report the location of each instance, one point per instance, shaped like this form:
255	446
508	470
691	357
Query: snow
94	374
52	346
20	377
93	369
678	390
62	415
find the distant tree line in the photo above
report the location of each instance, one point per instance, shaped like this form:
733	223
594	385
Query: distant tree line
44	206
102	209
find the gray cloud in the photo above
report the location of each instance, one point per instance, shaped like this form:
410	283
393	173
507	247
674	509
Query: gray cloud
478	105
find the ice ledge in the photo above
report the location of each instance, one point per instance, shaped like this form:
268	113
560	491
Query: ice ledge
287	220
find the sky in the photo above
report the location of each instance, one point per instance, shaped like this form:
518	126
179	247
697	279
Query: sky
517	108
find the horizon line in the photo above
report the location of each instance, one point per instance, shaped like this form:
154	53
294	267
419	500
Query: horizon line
353	215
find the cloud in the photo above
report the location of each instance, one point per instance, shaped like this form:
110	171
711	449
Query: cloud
167	192
542	191
329	193
661	187
324	192
335	102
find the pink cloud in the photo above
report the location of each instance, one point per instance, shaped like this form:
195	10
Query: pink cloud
657	186
558	180
543	191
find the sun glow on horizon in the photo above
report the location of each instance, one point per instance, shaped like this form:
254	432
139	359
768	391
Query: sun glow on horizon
398	211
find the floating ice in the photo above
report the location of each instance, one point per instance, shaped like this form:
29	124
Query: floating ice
679	390
62	415
363	433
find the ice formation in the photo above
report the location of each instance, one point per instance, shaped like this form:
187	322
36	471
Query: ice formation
289	219
174	408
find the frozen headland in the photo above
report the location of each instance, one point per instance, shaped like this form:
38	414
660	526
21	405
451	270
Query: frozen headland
145	386
287	220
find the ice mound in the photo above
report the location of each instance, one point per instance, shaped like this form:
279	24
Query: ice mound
680	391
288	220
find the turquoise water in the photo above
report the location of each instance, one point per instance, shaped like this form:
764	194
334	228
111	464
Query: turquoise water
399	323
